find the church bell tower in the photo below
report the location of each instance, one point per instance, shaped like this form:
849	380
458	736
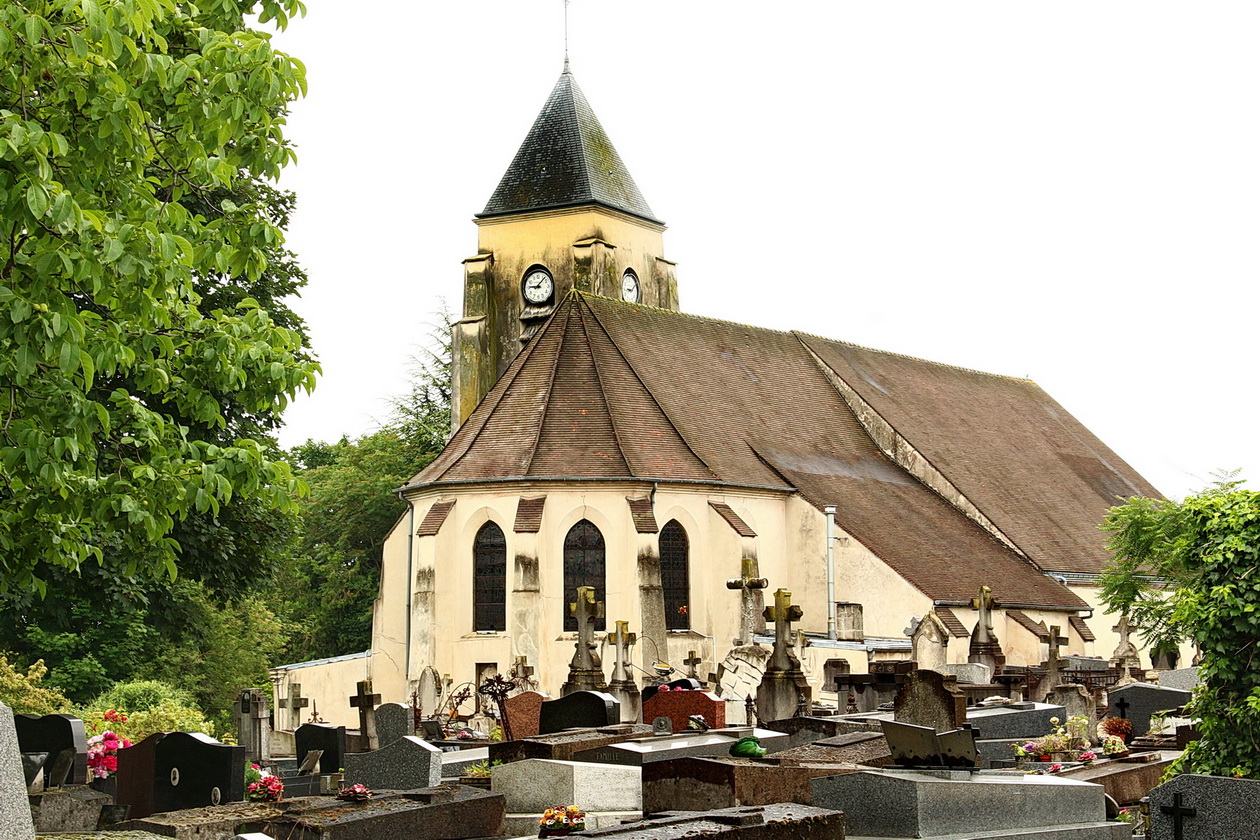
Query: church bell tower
566	215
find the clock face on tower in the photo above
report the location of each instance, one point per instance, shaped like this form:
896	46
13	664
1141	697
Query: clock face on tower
538	287
630	287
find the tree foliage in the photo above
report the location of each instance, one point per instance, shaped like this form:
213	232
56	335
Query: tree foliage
126	374
1191	569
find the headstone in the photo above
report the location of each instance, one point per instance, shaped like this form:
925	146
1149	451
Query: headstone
523	674
784	688
15	810
750	600
394	721
75	808
1014	721
985	647
561	746
581	709
924	747
1125	657
322	736
522	712
930	699
1054	665
136	774
55	734
693	663
707	784
970	673
253	724
866	748
990	804
294	703
366	702
192	770
679	706
534	785
406	764
1076	701
586	672
1192	807
622	685
929	642
1138	701
1185	679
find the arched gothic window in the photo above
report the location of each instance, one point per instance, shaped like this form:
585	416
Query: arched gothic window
583	566
675	579
490	579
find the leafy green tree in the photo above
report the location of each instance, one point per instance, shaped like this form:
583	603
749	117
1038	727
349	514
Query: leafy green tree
121	394
1191	570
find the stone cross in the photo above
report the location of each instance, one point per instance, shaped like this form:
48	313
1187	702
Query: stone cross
692	662
253	720
1178	812
295	703
621	640
1054	664
985	647
747	585
984	603
1125	657
783	613
366	702
586	610
523	673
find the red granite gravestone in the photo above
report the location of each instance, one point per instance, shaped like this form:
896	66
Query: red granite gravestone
522	713
679	706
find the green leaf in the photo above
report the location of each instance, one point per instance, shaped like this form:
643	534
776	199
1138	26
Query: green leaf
37	200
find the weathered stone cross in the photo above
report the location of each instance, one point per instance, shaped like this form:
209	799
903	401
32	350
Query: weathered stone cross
366	702
522	673
984	603
621	640
747	584
1178	812
693	661
295	703
586	610
783	613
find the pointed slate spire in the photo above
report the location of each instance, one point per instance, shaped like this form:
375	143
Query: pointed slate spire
565	161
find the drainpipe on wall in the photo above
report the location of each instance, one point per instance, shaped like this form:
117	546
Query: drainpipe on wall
830	511
411	536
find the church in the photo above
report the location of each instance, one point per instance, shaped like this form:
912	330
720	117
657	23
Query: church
687	468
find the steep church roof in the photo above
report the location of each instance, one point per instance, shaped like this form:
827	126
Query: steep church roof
615	390
565	161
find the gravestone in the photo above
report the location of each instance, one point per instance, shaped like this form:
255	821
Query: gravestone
406	764
15	810
1014	721
136	769
1125	657
522	711
1184	679
707	784
1138	701
294	703
924	747
534	785
1076	702
679	706
622	685
578	710
192	770
394	721
750	600
639	753
1192	807
366	702
779	821
985	647
970	673
74	808
784	688
322	736
55	735
561	746
686	682
929	642
253	725
930	699
586	672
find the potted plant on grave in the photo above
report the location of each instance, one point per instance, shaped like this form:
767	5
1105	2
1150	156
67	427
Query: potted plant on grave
478	775
261	786
561	820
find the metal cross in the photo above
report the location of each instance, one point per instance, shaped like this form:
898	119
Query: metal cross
497	688
523	672
747	585
1178	812
783	613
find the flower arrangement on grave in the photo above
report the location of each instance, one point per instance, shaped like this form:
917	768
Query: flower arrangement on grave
1065	738
261	786
355	793
1120	727
103	753
1087	756
1114	745
560	820
1125	816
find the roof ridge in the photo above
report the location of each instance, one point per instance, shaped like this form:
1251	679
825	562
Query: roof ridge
913	358
672	423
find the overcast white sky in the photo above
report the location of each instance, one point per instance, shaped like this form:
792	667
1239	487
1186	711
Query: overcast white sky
1068	191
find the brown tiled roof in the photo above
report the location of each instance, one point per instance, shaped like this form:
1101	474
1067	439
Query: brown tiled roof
529	515
1081	628
433	520
1019	456
620	391
951	622
1035	627
641	513
732	518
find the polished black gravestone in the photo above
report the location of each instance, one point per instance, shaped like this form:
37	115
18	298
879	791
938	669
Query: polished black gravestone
192	770
55	734
579	710
135	776
322	736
